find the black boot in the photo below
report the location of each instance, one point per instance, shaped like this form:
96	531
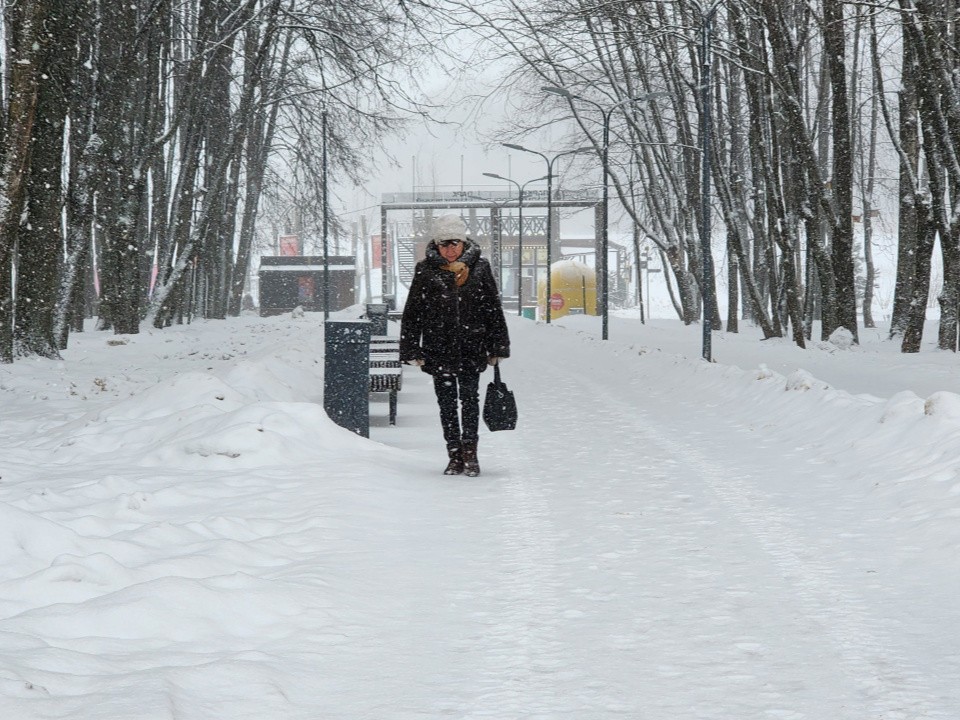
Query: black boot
455	453
471	467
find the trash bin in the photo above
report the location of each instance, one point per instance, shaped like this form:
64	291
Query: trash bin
377	315
346	374
530	312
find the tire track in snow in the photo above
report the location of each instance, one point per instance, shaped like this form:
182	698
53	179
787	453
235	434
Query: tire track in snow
892	687
840	656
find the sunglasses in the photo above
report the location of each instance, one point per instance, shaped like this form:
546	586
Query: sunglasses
449	243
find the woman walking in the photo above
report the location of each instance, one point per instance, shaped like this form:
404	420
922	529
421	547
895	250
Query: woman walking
452	328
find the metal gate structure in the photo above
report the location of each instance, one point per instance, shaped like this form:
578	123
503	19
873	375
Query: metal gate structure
497	234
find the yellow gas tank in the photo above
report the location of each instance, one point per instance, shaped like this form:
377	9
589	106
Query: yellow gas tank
573	290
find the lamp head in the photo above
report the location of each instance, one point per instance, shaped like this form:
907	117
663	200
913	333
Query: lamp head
494	175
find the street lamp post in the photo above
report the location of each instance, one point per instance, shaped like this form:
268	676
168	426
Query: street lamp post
520	189
550	161
606	113
326	224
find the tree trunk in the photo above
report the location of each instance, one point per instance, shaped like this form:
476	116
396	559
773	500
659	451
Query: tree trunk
842	231
920	292
84	149
950	294
23	24
41	242
733	288
869	185
120	125
908	234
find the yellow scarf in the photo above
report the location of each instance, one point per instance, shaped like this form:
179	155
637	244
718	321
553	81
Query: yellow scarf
459	269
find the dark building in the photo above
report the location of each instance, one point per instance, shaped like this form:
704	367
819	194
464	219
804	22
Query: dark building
288	282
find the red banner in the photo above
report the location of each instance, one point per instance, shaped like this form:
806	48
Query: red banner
289	244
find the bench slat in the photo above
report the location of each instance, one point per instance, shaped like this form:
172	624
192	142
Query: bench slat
388	385
385	382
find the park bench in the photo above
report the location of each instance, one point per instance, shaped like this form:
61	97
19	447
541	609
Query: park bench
386	372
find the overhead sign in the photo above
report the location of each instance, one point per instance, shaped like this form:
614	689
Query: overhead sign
494	196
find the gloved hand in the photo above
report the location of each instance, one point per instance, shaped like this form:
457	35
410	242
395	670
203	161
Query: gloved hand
493	360
418	362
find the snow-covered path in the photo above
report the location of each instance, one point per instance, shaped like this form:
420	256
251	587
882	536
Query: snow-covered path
659	539
658	568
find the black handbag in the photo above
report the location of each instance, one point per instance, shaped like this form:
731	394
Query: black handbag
499	406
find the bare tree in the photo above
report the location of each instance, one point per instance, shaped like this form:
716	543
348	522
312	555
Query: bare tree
841	207
929	28
25	46
40	256
906	138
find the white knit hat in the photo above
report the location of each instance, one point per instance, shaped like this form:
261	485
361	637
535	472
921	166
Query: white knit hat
449	227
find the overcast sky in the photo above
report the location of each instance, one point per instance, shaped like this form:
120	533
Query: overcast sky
457	147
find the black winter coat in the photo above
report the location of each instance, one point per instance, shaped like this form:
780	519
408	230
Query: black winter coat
453	329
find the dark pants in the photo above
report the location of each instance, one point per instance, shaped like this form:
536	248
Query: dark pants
448	388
